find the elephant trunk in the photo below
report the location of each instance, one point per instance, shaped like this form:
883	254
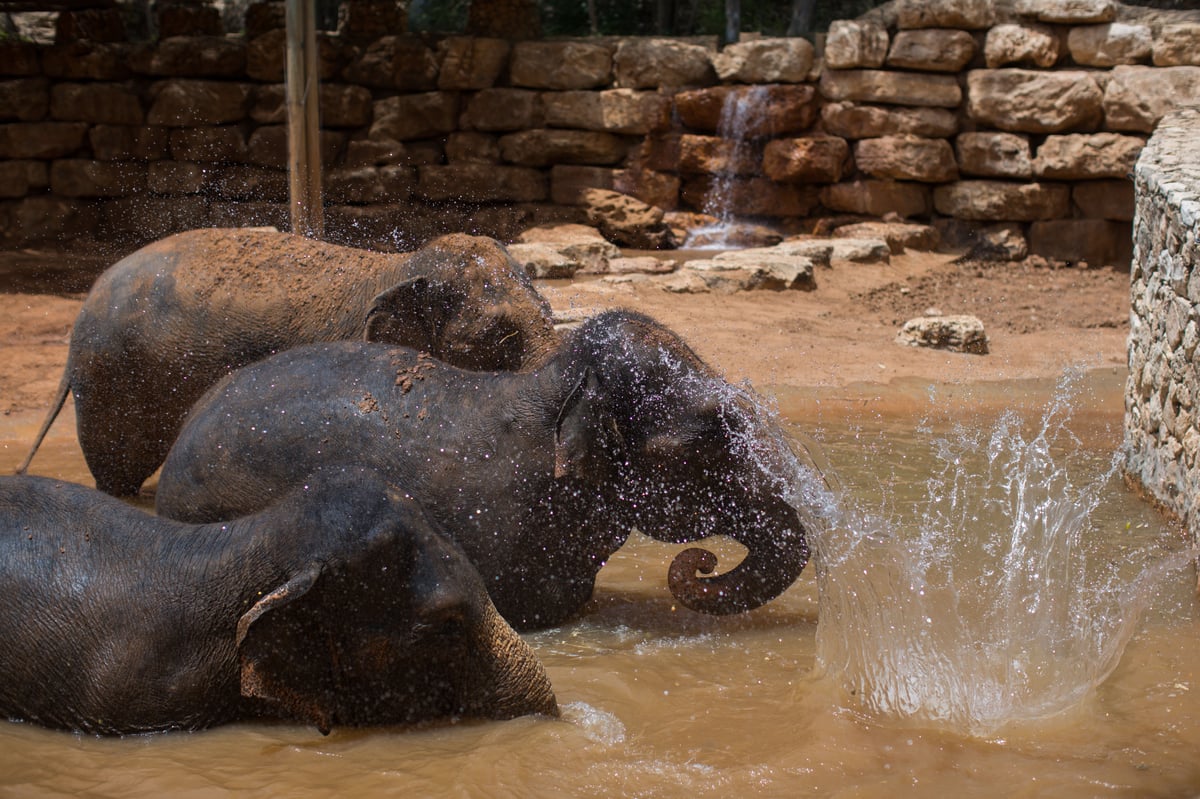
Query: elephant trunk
777	556
512	680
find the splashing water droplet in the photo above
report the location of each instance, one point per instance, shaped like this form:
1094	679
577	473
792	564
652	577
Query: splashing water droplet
1001	603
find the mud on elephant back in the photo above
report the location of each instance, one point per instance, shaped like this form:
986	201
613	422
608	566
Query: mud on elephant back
539	476
342	605
166	322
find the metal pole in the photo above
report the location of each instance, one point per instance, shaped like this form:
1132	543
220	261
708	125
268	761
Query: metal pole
304	120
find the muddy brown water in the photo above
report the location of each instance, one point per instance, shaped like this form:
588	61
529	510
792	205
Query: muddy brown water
661	702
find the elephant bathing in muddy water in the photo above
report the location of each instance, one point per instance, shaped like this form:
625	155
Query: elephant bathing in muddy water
166	322
340	605
538	476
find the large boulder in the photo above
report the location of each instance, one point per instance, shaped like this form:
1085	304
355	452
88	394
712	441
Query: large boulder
765	61
852	44
627	221
655	63
1031	101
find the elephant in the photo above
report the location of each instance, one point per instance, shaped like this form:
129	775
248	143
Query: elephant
167	321
341	605
539	476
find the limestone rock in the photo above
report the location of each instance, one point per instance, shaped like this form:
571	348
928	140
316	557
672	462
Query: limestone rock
754	196
817	250
1110	44
580	244
898	236
640	264
769	110
765	61
960	333
614	110
1003	241
654	63
1095	241
931	49
627	221
77	177
852	44
749	270
878	197
897	88
415	116
560	66
707	232
468	146
855	121
809	159
685	281
1083	156
18	178
544	262
1030	44
25	99
713	155
395	62
906	158
128	143
994	155
1030	101
471	62
860	251
188	103
503	110
1069	12
1104	199
104	103
991	200
1137	97
964	14
546	146
481	183
1177	45
191	56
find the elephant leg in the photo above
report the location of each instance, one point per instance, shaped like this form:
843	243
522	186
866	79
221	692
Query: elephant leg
122	445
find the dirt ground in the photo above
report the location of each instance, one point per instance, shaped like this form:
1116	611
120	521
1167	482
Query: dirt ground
837	340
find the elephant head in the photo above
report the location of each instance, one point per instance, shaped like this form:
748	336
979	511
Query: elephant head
690	455
470	305
399	630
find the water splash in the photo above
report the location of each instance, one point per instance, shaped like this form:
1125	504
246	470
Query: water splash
742	113
1000	603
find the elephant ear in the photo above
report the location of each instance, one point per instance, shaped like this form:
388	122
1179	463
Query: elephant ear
583	432
412	313
280	652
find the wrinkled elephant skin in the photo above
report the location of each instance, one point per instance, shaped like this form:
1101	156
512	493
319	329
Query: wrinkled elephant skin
340	606
538	476
166	322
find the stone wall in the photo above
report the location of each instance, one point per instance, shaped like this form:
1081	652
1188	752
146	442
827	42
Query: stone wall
1162	402
1017	128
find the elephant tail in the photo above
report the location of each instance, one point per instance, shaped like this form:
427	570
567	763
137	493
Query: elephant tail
64	388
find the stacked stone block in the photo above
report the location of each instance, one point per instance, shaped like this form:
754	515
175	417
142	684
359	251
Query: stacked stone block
1162	397
1029	123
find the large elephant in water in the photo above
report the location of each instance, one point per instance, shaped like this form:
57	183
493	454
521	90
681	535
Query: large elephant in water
166	322
340	605
538	476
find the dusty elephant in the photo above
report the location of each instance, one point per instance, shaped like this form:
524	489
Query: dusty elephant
339	606
538	476
166	322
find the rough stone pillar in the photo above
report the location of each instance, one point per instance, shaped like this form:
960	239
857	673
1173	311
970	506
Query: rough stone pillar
1162	395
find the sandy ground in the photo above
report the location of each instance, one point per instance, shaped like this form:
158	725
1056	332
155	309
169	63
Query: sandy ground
836	342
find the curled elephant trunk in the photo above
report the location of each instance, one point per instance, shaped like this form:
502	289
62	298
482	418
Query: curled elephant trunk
775	560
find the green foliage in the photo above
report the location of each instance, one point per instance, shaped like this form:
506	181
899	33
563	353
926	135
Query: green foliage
440	16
